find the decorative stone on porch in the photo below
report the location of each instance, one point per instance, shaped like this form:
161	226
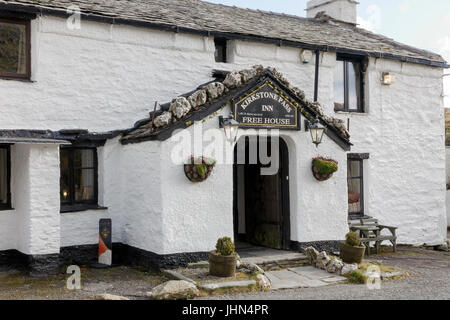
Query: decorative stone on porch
302	277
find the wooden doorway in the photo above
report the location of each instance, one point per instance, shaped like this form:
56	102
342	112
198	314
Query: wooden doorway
261	202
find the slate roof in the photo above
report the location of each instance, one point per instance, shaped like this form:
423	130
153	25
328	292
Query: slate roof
200	17
207	99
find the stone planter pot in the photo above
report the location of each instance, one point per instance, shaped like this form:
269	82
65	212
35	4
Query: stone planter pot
222	266
351	254
192	172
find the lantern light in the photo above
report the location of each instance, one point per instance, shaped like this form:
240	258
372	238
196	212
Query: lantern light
317	131
230	126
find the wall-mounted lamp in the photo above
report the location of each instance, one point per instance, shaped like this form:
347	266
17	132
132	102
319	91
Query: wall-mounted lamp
230	126
306	56
387	78
316	130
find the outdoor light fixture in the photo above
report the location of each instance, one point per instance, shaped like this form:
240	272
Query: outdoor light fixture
306	56
230	126
317	131
388	78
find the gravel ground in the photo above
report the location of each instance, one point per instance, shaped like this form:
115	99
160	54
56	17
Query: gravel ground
132	283
428	279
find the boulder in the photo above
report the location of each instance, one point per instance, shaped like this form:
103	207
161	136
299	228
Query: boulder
174	290
163	120
180	107
233	80
264	281
312	254
322	260
198	99
111	297
348	268
248	74
334	266
443	247
215	90
251	266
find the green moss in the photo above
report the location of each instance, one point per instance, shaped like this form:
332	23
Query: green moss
352	239
357	277
325	166
225	246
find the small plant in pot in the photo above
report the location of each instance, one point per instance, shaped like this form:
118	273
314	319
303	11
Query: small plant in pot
324	168
222	261
351	251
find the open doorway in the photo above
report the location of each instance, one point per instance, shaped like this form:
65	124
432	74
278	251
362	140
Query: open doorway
261	202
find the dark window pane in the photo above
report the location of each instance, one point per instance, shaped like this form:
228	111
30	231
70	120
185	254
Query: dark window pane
220	54
83	158
64	186
3	176
13	48
64	158
354	85
339	85
354	168
84	184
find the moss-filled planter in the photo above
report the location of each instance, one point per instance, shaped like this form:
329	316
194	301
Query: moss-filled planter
222	266
351	254
323	168
198	170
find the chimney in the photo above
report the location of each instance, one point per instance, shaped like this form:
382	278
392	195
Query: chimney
344	10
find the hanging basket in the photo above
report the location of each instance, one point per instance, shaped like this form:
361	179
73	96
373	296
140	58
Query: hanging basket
200	170
323	168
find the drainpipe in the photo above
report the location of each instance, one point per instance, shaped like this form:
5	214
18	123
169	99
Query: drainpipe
316	80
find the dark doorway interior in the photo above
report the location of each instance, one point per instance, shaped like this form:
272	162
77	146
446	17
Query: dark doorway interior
261	202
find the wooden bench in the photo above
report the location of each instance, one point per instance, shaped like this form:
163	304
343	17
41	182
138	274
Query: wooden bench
370	231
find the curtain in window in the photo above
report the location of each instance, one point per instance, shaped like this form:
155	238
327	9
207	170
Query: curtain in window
13	44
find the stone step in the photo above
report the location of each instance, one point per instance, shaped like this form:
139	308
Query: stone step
278	261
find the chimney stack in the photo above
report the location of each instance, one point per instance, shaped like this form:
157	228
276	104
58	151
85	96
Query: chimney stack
344	10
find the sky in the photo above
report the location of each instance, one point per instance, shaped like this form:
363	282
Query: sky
420	23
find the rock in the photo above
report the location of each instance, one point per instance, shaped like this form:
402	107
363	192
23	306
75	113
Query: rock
233	80
178	276
252	267
111	297
198	265
163	120
215	90
335	266
238	263
248	74
348	268
264	281
198	99
312	254
180	107
322	260
174	290
387	275
231	284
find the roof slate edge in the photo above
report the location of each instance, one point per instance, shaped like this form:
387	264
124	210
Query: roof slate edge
169	27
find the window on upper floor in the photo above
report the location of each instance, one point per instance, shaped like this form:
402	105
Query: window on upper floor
15	60
79	182
349	84
221	50
5	178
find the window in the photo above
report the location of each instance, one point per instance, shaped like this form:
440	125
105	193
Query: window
349	85
15	61
221	50
5	178
78	185
355	181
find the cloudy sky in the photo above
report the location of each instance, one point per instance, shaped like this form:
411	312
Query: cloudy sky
423	24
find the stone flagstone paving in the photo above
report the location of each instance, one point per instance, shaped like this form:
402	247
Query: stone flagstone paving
302	277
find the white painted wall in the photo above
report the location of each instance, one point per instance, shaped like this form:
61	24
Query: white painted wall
105	77
447	156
